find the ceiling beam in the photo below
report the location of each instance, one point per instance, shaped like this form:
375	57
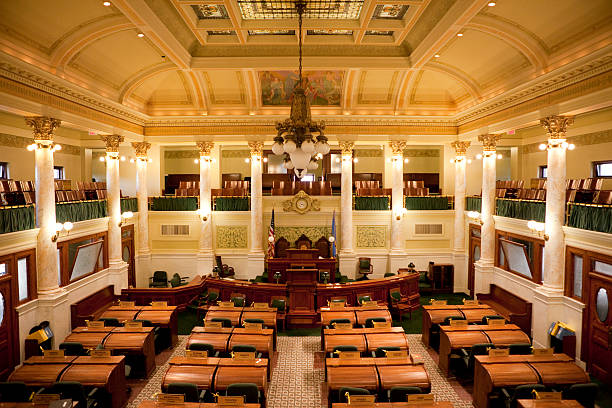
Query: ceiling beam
145	19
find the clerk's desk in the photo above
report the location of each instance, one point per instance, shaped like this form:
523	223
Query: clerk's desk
307	257
107	373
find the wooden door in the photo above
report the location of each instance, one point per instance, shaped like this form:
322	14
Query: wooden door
127	252
9	347
474	255
599	326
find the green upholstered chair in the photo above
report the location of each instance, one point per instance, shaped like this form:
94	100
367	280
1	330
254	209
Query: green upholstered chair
248	390
345	392
14	391
365	267
225	322
585	394
333	322
400	394
246	348
524	391
72	348
369	322
520	349
339	349
468	358
159	279
76	392
485	319
189	390
110	321
364	298
209	348
381	352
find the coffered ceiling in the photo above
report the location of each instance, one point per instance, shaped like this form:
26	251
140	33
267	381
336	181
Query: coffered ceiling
361	57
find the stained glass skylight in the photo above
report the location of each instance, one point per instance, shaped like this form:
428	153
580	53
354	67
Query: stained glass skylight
279	9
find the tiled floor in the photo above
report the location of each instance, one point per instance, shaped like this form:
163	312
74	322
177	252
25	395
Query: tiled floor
298	376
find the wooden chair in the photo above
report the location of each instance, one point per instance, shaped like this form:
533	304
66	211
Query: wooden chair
223	270
280	248
322	245
303	241
402	304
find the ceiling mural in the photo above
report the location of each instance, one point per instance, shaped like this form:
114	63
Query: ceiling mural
210	11
276	9
323	88
390	11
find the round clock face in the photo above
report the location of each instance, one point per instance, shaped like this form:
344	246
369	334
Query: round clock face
301	204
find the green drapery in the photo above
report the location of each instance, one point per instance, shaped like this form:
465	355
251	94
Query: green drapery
427	203
14	219
174	203
129	204
590	218
524	210
473	204
371	203
80	211
232	204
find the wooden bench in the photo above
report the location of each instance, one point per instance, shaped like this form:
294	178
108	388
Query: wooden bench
92	306
512	307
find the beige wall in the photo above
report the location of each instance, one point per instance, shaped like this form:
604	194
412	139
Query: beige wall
181	166
235	164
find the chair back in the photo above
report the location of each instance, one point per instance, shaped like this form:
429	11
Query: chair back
280	248
447	319
370	321
525	391
333	322
400	394
69	390
225	322
485	319
244	348
381	352
351	391
14	391
160	276
248	390
189	390
110	321
72	348
585	394
145	322
343	347
279	304
202	347
520	349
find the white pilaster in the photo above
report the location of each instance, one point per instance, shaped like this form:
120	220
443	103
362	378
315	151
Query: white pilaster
113	199
459	256
346	255
256	254
397	253
46	248
205	249
142	259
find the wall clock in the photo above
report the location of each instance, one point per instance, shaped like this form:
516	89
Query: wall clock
301	203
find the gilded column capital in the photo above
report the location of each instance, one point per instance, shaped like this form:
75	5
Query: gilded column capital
256	148
112	142
397	147
556	125
489	142
346	146
43	127
141	149
205	148
460	147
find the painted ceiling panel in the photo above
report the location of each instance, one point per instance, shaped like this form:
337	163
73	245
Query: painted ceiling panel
115	58
436	88
167	87
553	22
377	87
488	58
225	87
42	24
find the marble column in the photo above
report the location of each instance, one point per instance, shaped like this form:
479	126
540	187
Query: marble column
256	253
205	249
554	250
489	157
346	255
143	256
113	197
397	253
46	250
459	255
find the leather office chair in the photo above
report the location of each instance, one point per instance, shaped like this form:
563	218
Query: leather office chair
524	391
345	392
333	322
189	390
339	349
468	359
248	390
400	394
225	322
363	298
520	348
369	322
238	299
14	391
224	270
159	280
246	348
75	391
485	319
110	322
381	352
280	304
365	267
585	394
209	348
177	280
72	349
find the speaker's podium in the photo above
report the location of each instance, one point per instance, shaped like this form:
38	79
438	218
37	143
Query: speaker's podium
305	258
301	285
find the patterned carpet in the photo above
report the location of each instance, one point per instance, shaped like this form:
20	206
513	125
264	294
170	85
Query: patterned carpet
298	377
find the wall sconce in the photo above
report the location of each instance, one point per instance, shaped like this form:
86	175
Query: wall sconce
38	144
475	216
552	143
488	154
399	214
460	159
538	229
125	216
59	227
208	159
202	214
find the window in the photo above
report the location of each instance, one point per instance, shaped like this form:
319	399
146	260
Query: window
81	257
4	174
579	265
543	171
21	268
276	164
602	168
335	163
520	255
22	277
58	172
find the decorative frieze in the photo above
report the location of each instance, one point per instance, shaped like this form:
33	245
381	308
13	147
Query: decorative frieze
397	147
556	125
256	147
230	236
371	236
43	127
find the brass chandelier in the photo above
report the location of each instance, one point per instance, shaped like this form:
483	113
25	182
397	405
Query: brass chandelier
295	134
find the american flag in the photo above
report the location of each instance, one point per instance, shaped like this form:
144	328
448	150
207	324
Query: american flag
271	237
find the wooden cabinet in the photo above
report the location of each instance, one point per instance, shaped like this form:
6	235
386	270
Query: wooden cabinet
442	277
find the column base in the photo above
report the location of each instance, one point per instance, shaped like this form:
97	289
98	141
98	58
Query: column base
397	259
205	262
142	262
548	307
460	260
483	275
118	274
255	266
347	262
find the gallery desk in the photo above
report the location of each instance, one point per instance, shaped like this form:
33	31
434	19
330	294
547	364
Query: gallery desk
436	314
454	338
508	371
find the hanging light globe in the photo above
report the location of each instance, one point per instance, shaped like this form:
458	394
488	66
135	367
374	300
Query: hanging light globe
289	165
313	165
322	147
277	148
300	159
308	146
289	146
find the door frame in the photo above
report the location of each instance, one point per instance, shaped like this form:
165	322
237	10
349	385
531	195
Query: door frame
473	241
132	263
10	313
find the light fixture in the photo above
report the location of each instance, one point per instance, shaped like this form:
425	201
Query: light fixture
59	227
475	216
265	159
499	156
295	134
337	160
332	239
43	144
132	160
123	158
459	34
553	143
491	4
355	160
399	214
102	158
140	35
106	3
270	238
202	214
537	228
479	156
196	161
406	160
437	56
126	215
247	160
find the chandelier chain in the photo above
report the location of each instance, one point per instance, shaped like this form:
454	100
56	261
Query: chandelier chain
300	6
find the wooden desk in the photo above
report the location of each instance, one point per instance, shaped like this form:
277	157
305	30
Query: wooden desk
352	376
38	375
229	313
268	316
89	338
364	314
476	315
413	375
549	404
75	404
137	341
436	404
107	373
166	318
154	404
200	375
503	338
218	340
346	313
123	314
282	264
375	340
436	315
345	338
495	372
263	341
50	360
227	375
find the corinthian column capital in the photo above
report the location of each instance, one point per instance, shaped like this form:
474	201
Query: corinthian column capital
43	127
556	125
397	147
112	142
256	147
141	149
489	142
205	148
460	147
346	146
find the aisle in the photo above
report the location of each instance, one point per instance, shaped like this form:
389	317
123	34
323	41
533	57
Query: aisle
296	382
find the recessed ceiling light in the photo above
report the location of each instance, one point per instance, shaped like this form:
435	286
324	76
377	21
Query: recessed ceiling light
459	34
491	4
437	56
106	3
140	35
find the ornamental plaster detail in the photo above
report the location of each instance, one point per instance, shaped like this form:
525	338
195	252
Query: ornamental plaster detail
397	147
23	142
460	147
371	236
42	126
141	149
256	147
346	146
292	233
605	136
205	148
112	142
230	236
556	125
489	142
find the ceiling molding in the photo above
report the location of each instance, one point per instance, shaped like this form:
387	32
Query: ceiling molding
470	84
135	80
